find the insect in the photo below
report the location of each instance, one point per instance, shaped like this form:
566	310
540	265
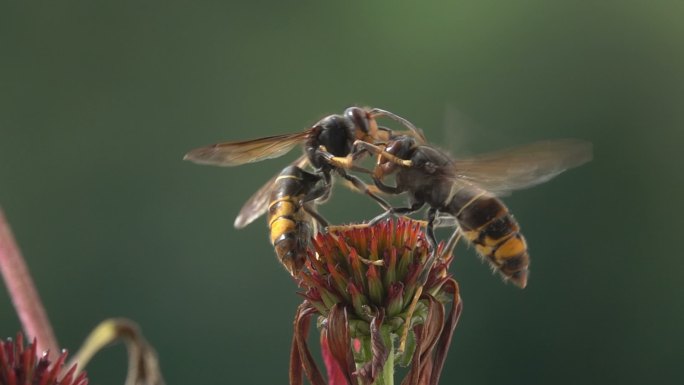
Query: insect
327	147
468	190
291	214
290	196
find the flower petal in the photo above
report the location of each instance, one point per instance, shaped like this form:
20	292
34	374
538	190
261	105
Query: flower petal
380	352
301	332
447	333
336	375
427	335
337	332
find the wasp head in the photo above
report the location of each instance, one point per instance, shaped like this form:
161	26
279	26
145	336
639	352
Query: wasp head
402	147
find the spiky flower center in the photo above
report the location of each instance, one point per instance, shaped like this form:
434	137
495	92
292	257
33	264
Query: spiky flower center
371	269
20	365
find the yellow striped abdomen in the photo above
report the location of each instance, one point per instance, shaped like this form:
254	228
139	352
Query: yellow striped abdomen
487	224
288	223
281	217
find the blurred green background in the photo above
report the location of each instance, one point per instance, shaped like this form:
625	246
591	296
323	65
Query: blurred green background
100	100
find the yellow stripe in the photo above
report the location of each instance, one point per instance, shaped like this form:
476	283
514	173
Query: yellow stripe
287	177
485	251
470	202
510	248
286	198
275	217
281	226
471	235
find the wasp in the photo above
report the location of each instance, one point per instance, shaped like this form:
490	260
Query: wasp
291	214
468	190
290	196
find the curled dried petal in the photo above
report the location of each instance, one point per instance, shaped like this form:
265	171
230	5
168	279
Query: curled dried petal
379	353
427	336
337	332
306	361
444	342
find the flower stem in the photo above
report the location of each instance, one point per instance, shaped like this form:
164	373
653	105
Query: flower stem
23	292
387	375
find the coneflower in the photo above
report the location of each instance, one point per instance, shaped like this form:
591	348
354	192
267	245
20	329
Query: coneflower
360	282
20	365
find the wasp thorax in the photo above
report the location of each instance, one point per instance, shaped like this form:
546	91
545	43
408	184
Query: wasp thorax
336	135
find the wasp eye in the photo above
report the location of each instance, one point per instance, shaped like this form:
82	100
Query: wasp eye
359	117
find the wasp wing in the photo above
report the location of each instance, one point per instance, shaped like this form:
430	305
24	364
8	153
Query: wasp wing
517	168
247	151
257	204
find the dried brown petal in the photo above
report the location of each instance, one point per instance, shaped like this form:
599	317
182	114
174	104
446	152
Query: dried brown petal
427	336
380	352
337	332
451	286
301	332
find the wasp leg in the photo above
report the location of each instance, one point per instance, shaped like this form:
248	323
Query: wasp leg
364	225
358	153
370	147
448	247
343	162
451	243
372	188
445	221
338	228
371	191
316	216
327	186
363	187
387	189
430	229
374	149
321	193
394	211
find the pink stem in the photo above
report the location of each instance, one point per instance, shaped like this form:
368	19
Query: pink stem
23	292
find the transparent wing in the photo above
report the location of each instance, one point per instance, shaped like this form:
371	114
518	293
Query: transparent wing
247	151
517	168
257	204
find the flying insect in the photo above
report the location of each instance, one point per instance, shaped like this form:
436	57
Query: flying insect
468	190
327	147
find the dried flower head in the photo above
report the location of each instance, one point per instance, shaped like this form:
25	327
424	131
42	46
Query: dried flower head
20	365
360	282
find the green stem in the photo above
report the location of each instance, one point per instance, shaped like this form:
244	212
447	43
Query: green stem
387	375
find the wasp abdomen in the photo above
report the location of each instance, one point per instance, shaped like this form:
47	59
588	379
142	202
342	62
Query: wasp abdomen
287	230
486	223
287	221
281	215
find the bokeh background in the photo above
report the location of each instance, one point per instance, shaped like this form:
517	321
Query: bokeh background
100	100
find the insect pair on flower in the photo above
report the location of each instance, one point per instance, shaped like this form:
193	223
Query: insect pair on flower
459	192
381	289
